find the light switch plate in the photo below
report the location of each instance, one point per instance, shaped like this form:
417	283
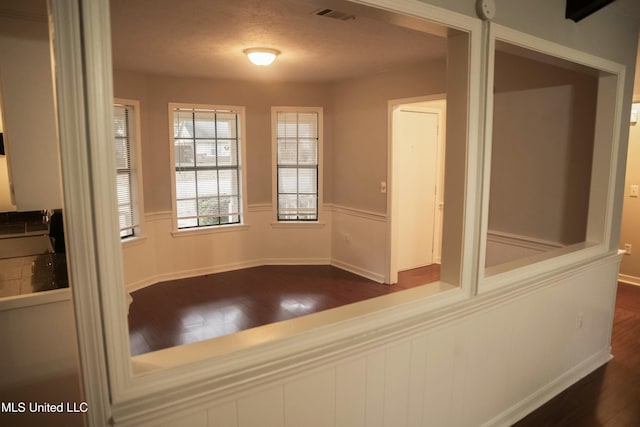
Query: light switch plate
633	190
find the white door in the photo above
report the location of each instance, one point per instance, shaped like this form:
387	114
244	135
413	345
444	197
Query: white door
417	139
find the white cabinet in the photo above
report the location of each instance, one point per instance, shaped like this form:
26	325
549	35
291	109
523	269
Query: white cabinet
26	87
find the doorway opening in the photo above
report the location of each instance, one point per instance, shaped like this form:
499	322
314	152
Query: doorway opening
416	172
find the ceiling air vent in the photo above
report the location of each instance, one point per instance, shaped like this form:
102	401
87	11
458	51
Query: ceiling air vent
335	14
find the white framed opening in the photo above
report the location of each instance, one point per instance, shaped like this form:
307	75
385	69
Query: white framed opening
201	369
206	366
416	182
565	230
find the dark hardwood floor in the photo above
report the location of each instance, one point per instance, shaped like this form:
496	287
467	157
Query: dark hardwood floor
188	310
610	396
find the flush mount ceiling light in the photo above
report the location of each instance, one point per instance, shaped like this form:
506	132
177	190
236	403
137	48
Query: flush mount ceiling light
261	55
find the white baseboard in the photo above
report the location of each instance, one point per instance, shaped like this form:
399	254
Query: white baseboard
550	390
185	274
296	261
131	287
376	277
630	280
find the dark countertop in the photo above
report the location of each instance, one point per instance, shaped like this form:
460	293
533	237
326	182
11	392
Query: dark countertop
15	223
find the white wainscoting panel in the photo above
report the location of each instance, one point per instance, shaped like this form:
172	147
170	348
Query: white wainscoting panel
350	239
506	247
167	255
38	339
265	408
358	242
463	371
351	393
225	415
310	401
195	419
374	382
396	384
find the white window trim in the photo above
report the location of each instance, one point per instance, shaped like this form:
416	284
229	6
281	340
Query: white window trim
242	169
598	240
138	194
274	167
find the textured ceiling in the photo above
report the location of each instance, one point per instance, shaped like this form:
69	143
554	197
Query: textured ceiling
205	38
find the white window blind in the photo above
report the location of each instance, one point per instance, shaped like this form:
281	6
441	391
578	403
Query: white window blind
297	165
207	167
125	169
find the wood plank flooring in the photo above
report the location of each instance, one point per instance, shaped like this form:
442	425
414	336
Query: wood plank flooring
610	396
188	310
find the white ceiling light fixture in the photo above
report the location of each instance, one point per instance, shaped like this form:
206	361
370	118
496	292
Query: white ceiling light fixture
261	56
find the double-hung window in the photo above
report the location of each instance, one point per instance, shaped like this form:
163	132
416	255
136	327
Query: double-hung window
126	146
206	157
297	147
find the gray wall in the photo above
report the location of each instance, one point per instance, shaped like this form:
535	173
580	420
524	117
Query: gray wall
355	127
543	125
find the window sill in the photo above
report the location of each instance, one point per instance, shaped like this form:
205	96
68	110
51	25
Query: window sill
297	224
533	268
209	230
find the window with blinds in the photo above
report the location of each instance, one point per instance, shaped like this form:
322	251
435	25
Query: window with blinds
125	169
207	167
297	165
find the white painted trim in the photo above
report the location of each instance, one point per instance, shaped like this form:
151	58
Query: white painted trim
297	224
141	390
371	275
274	157
98	83
138	193
259	207
358	327
296	261
214	229
473	176
134	241
327	343
426	11
539	265
68	49
550	390
241	111
158	216
601	201
629	280
391	250
360	213
38	298
537	44
267	357
185	274
518	240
